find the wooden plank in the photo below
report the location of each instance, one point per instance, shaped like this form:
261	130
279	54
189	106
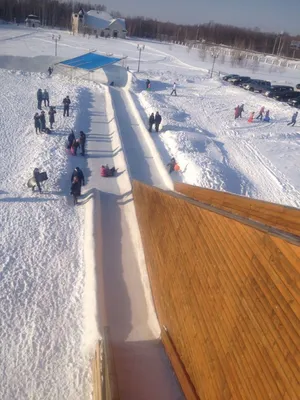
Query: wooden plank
279	216
228	293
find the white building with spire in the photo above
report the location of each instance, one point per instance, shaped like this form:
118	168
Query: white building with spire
98	23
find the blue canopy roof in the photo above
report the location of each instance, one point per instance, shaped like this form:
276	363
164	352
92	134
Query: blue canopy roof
90	61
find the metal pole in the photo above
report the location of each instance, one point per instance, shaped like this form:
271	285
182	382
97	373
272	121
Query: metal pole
212	70
140	51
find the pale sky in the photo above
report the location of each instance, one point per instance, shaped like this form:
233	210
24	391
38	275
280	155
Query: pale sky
270	15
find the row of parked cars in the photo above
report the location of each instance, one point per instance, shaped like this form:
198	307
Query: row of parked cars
278	92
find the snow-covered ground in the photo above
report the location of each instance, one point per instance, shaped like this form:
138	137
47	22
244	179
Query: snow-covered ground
44	348
259	160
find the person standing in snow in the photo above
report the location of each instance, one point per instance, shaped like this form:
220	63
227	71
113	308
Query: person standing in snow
46	98
171	165
174	89
50	70
79	174
36	175
147	84
294	119
151	122
71	139
39	96
82	138
241	110
261	113
43	121
66	103
267	116
75	189
236	112
37	123
157	121
51	114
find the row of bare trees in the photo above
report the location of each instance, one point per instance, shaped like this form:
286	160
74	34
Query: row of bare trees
58	13
232	36
51	12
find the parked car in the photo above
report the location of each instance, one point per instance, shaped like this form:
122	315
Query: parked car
226	77
257	85
240	80
277	89
294	102
285	96
298	86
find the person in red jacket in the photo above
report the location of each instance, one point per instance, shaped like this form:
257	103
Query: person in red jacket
236	112
106	171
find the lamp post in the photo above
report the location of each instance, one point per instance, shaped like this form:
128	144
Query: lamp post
140	48
215	54
56	38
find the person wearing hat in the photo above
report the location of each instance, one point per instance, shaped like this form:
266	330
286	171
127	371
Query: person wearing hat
39	96
46	98
43	121
37	123
66	103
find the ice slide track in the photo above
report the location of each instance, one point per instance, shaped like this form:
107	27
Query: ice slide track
144	162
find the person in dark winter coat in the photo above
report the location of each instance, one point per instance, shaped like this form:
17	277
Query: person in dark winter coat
151	122
51	114
75	189
66	103
50	70
171	165
43	121
46	98
147	84
241	110
157	121
294	119
71	139
37	123
82	138
79	174
36	175
39	96
261	113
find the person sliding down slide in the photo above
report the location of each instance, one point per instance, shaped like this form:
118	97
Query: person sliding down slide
107	172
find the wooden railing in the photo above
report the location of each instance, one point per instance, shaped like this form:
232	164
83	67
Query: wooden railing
104	376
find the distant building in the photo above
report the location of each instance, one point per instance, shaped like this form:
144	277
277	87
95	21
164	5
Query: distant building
98	23
32	21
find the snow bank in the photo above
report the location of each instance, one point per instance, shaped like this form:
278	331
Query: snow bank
44	349
213	150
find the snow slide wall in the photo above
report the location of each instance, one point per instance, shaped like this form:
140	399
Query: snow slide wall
225	291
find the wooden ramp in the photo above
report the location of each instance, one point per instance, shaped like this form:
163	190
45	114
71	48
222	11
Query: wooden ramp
226	291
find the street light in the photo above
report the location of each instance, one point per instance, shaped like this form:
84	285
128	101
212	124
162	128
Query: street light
140	48
215	54
56	38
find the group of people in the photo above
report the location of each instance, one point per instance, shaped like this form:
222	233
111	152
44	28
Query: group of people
155	120
40	119
262	115
73	144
